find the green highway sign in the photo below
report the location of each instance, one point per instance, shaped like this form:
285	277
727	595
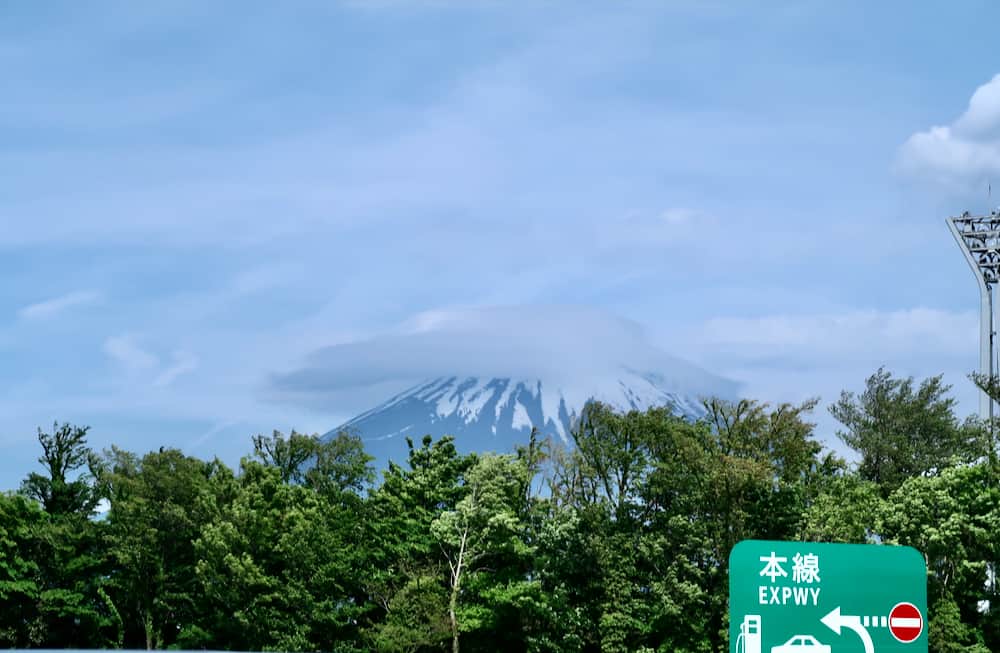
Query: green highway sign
806	597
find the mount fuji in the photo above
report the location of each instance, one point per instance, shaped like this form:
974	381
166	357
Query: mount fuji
487	375
490	413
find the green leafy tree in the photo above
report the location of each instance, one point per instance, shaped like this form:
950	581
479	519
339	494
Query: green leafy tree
64	452
902	431
19	587
414	620
747	470
66	544
756	480
503	604
658	504
280	567
613	455
402	547
484	523
71	573
288	456
159	506
627	550
954	520
947	633
849	509
334	466
564	608
341	468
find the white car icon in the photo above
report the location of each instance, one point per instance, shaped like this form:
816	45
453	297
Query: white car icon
801	644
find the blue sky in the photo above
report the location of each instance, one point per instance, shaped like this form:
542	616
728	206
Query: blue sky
196	196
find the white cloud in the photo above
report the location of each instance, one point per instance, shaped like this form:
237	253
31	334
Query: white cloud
212	432
127	353
183	362
794	357
780	357
857	334
134	358
964	154
556	343
56	305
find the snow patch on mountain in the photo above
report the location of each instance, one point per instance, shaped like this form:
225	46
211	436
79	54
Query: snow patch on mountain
521	419
497	413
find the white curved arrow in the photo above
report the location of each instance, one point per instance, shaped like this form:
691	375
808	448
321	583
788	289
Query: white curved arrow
835	621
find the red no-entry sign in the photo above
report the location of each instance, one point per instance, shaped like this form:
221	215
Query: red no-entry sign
905	622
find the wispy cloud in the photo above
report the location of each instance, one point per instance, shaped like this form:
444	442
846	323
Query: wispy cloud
183	362
679	216
124	351
134	358
796	356
57	305
859	334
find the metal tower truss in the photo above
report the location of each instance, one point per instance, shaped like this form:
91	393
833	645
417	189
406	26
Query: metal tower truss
979	238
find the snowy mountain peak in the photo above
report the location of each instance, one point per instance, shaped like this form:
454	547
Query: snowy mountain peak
496	413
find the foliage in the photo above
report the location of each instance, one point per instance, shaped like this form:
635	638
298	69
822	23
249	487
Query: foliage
617	541
158	506
903	431
954	520
848	510
19	588
484	524
70	555
278	567
332	466
64	451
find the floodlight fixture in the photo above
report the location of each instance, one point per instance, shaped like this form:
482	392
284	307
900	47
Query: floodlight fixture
979	238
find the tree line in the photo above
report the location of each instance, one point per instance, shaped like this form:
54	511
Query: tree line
619	542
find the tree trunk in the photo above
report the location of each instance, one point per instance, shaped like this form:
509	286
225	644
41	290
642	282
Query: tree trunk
452	603
147	623
456	582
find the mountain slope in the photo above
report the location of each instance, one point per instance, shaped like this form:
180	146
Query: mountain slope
496	413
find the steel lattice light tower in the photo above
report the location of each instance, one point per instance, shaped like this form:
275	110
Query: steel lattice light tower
979	238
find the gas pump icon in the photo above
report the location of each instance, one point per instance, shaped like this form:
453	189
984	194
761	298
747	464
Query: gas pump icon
749	638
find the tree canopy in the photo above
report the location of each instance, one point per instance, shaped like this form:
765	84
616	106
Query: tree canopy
615	540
